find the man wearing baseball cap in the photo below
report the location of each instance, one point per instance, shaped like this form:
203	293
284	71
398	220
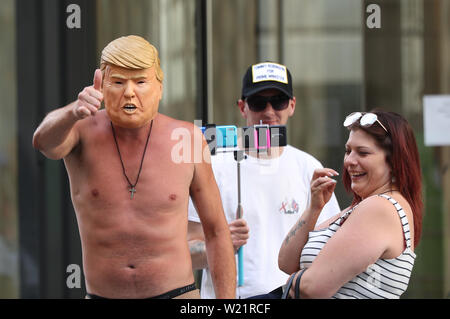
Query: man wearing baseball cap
275	187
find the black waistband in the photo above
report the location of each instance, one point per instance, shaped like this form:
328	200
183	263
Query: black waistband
167	295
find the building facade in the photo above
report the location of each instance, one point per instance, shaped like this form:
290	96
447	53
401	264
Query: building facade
344	56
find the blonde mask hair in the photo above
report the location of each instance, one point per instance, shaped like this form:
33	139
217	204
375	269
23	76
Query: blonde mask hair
131	52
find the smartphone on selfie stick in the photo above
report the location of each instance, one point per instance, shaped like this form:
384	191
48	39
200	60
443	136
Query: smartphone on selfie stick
257	138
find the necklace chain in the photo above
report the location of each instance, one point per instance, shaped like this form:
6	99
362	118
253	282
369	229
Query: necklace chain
132	188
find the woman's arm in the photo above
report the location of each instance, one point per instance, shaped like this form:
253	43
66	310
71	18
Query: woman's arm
322	187
372	229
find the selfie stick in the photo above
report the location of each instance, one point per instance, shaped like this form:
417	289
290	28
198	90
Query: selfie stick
239	156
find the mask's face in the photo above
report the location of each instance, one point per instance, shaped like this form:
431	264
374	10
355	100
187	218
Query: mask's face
131	96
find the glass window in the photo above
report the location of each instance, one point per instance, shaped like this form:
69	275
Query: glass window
234	49
170	26
339	65
322	45
424	54
320	41
9	242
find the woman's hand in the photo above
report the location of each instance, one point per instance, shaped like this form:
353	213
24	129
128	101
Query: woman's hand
292	288
322	187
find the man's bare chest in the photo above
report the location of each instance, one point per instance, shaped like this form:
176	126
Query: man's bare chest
101	172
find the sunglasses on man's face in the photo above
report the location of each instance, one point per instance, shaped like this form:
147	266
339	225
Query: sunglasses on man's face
365	119
258	103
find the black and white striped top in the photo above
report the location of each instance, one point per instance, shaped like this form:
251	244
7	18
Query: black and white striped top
386	278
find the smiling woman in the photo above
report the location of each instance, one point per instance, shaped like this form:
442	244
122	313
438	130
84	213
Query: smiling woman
366	165
366	251
396	139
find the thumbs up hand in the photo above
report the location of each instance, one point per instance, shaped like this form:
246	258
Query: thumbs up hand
90	99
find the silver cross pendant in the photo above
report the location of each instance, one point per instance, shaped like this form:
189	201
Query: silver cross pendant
132	190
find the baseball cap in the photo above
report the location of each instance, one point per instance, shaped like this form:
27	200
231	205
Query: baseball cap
266	75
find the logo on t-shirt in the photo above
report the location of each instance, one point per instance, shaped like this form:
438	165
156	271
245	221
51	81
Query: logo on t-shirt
289	207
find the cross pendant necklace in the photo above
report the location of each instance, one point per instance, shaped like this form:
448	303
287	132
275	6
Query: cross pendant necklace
132	188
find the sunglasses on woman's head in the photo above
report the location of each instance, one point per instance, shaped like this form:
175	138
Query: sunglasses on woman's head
258	103
365	119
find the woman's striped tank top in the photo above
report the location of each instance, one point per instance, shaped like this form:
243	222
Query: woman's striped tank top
386	278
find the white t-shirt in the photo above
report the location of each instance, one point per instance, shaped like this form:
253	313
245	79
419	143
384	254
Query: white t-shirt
274	193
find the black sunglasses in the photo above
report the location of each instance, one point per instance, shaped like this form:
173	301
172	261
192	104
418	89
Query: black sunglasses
258	103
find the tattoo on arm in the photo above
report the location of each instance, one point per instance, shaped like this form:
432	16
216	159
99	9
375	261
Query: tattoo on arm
293	231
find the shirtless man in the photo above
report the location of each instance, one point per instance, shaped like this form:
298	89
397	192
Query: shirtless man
129	196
